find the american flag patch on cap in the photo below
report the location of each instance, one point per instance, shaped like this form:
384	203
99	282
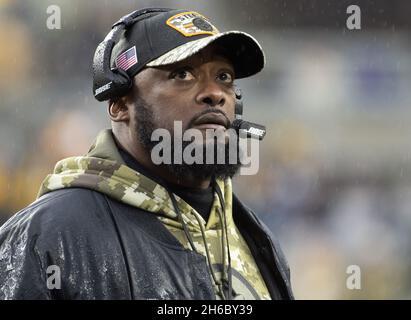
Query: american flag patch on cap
127	59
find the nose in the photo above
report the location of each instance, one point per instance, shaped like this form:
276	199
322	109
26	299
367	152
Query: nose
211	94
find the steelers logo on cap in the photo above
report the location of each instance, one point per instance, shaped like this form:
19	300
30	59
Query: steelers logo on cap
202	24
191	23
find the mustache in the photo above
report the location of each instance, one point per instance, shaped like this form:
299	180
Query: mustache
207	111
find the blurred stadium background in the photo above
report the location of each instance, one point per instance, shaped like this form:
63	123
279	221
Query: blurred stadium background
335	175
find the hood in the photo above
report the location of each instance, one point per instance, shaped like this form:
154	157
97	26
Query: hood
102	169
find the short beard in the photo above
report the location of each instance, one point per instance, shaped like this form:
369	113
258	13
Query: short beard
145	126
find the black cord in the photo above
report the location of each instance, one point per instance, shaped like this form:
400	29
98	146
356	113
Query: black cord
216	281
180	217
222	204
187	233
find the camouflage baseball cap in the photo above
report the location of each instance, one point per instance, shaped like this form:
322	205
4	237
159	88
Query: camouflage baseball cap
172	36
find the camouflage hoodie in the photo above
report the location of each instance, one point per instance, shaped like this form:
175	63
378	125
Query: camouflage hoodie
231	263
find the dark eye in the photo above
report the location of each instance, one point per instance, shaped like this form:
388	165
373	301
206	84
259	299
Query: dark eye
225	77
182	74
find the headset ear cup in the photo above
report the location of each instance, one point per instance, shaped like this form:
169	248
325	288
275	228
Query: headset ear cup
122	83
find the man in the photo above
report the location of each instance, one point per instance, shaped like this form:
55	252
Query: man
115	224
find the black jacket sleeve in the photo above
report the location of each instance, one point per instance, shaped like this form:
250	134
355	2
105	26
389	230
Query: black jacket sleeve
58	231
22	275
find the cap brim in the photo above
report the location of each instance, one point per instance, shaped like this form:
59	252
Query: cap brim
243	50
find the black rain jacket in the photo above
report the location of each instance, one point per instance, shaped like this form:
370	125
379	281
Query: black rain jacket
105	249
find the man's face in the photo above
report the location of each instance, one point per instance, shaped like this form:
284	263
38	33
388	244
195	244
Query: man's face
198	91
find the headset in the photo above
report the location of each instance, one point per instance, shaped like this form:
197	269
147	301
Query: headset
111	83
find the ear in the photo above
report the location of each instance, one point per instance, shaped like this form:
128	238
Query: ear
118	110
